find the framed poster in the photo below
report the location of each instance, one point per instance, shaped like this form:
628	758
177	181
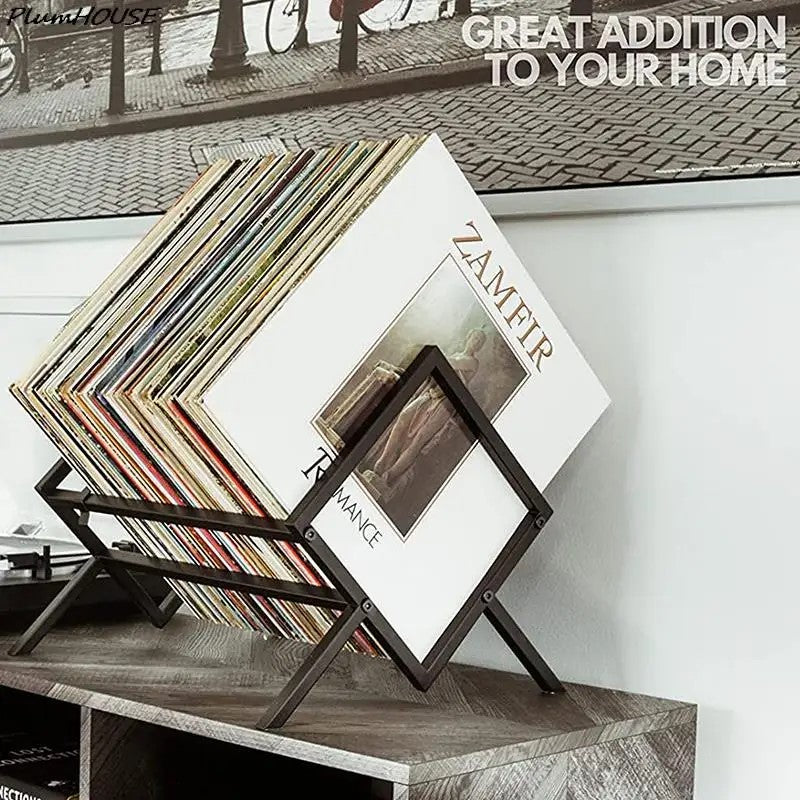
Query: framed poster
110	112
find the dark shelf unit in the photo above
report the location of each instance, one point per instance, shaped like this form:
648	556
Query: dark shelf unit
49	723
121	757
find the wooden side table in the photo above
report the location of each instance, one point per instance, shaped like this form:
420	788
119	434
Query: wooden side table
170	713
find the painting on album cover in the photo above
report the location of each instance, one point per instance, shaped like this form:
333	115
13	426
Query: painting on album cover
413	460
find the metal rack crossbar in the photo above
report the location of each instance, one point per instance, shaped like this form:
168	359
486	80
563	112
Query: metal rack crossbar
347	597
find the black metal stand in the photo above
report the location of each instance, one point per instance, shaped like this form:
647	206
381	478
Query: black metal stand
355	608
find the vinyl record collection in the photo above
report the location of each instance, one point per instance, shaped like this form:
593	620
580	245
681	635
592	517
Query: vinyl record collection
230	354
135	356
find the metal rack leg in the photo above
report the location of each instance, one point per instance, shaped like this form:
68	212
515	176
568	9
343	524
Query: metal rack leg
522	648
55	610
79	525
312	668
169	606
158	615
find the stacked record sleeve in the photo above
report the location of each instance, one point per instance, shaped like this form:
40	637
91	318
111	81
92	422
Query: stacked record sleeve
118	389
249	334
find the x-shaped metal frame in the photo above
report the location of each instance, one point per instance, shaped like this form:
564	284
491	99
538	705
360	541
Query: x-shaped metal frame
347	597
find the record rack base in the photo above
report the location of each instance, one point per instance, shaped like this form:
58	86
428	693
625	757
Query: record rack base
355	609
172	714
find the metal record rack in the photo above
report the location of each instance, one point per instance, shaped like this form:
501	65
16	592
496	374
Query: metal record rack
347	597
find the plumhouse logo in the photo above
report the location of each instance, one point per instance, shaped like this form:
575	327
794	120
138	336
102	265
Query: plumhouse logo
87	16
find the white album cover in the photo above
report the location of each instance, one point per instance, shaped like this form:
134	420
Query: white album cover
421	520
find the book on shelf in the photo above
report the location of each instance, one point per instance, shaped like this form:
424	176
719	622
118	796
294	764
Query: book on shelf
244	340
34	766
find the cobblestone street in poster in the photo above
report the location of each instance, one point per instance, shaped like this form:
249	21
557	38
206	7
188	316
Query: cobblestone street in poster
65	156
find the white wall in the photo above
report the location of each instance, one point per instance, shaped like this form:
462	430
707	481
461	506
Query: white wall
40	283
670	566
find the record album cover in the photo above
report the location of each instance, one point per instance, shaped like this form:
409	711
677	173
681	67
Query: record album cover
418	267
230	356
